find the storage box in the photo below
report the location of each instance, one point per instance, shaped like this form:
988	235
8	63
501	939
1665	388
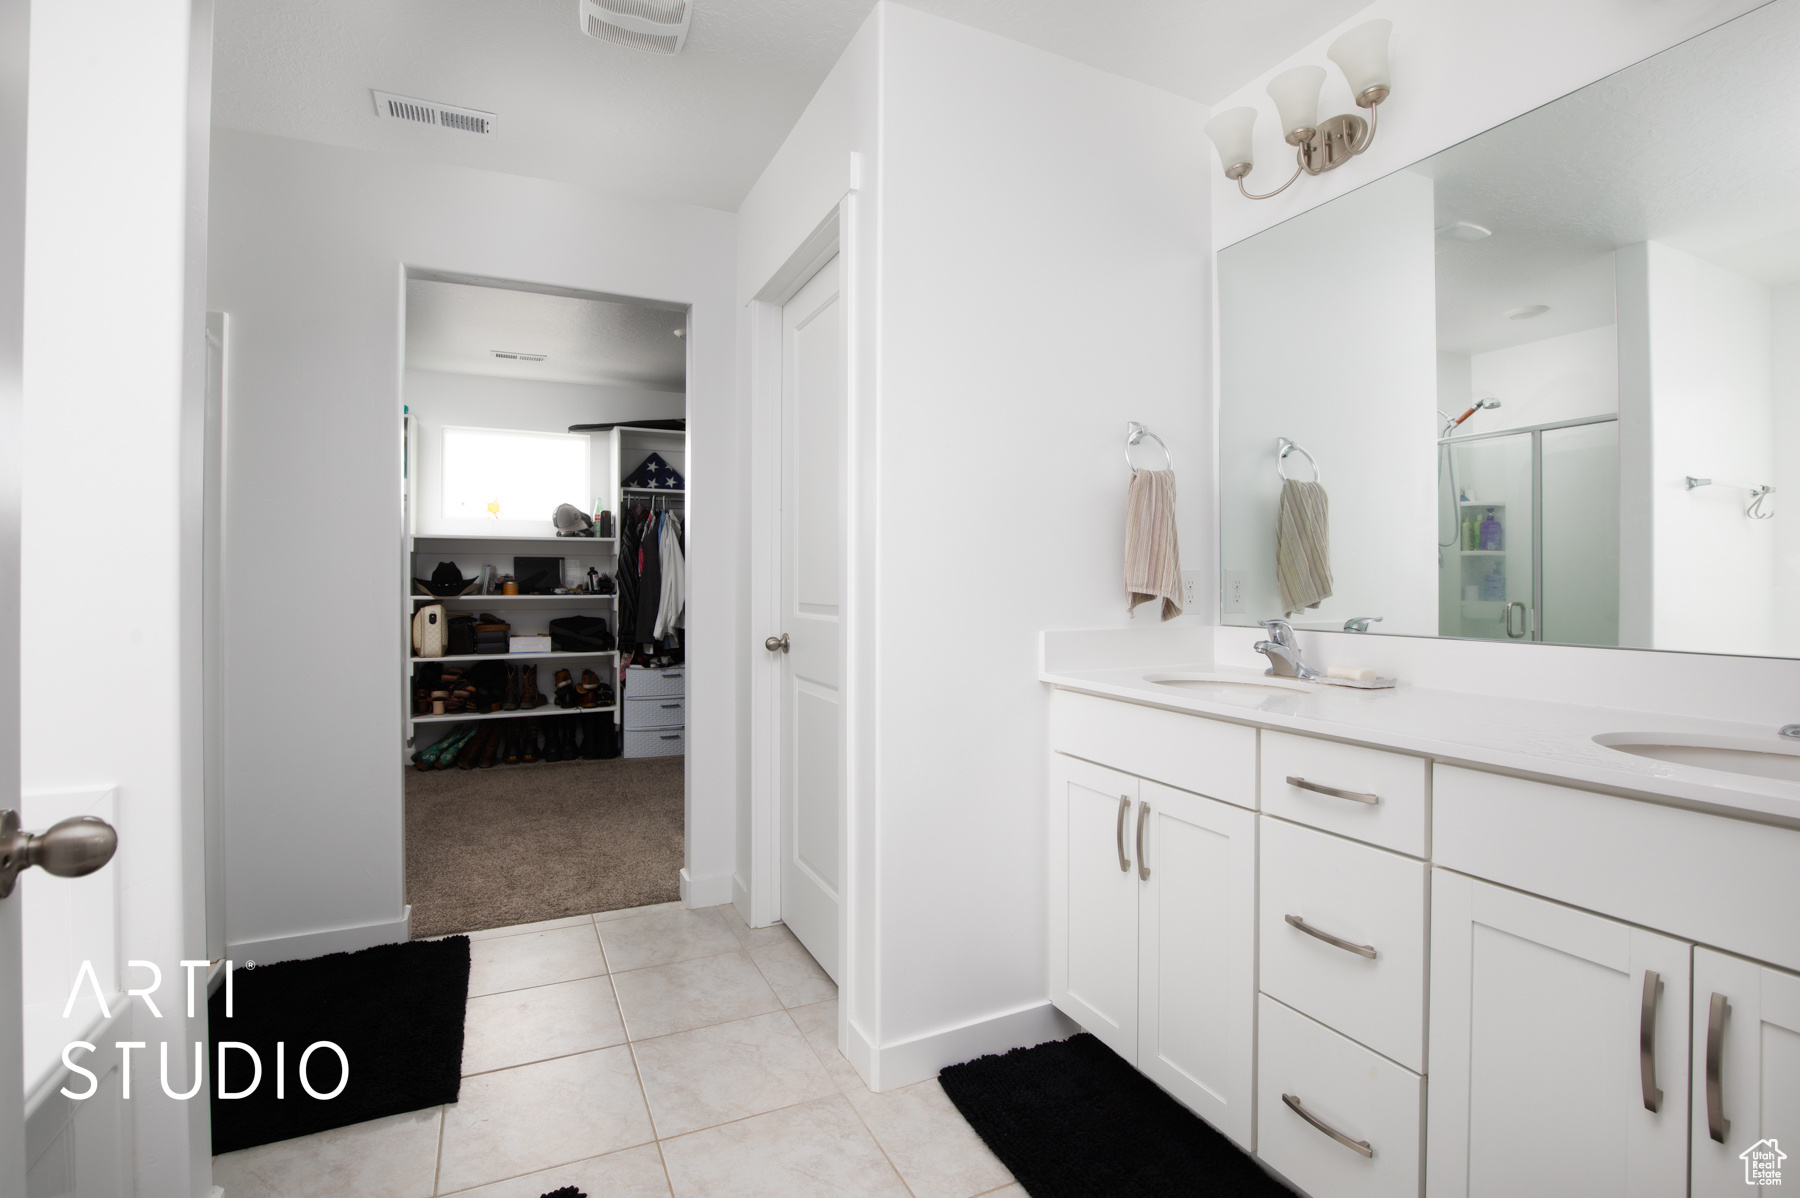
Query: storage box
531	644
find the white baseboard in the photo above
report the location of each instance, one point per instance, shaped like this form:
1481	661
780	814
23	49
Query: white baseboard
304	945
740	898
909	1061
714	890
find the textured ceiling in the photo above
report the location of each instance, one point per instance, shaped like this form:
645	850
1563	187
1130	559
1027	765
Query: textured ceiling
698	127
455	327
1686	148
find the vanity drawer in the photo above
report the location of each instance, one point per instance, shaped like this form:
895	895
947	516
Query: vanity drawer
1367	897
1390	809
1188	752
1724	882
1360	1094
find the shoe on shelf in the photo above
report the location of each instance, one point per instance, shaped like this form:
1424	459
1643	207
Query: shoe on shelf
530	698
592	749
509	699
552	739
566	727
509	745
528	739
565	689
589	690
471	752
490	749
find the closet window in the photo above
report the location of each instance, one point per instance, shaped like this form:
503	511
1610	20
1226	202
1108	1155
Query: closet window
511	474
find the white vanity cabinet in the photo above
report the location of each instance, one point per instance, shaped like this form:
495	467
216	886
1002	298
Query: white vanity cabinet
1153	932
1746	1068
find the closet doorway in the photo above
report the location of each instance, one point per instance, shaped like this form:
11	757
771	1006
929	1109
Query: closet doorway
544	488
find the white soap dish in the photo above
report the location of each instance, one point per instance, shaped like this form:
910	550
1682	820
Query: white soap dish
1373	684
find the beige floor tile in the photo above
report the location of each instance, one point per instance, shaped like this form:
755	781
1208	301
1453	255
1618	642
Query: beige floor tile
817	1150
664	937
633	1173
629	912
796	978
691	994
535	959
1015	1190
818	1023
925	1136
775	933
521	929
395	1157
535	1116
519	1026
715	1074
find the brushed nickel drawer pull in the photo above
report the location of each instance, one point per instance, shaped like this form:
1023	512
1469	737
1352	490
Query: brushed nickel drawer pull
1294	1105
1361	950
1647	1042
1124	861
1143	861
1717	1125
1355	796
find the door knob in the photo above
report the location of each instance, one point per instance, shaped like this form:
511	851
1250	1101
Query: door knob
70	849
777	644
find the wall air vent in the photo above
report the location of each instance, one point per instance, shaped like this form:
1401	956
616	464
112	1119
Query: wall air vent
424	112
654	26
512	356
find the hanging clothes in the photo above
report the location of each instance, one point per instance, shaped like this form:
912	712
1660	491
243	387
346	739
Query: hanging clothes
673	603
649	580
630	538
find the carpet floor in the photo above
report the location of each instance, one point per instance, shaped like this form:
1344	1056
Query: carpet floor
1072	1120
521	843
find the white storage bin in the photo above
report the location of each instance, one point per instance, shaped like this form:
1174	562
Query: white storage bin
655	742
667	712
645	683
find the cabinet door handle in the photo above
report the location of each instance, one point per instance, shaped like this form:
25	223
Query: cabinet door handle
1355	796
1647	1042
1717	1125
1143	860
1124	861
1361	950
1294	1105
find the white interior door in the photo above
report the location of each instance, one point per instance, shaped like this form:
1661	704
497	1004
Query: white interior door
812	523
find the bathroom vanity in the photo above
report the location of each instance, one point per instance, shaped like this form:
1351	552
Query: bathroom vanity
1414	941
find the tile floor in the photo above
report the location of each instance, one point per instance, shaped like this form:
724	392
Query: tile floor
652	1052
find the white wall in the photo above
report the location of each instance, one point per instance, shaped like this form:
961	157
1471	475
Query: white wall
1354	383
436	399
1541	382
310	245
1784	306
113	379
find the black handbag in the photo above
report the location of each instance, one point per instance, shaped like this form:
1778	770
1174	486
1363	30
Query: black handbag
459	639
580	634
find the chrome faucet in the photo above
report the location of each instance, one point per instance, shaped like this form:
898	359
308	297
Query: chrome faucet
1791	731
1283	651
1360	623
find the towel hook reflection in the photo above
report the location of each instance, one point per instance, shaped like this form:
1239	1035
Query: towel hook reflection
1134	433
1283	447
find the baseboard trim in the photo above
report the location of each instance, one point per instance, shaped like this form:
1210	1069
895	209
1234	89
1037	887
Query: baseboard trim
304	945
714	890
909	1061
740	898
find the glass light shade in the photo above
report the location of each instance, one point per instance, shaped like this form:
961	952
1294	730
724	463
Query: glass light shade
1296	96
1362	54
1230	132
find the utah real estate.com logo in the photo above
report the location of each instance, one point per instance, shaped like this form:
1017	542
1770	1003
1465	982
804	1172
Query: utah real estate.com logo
1762	1163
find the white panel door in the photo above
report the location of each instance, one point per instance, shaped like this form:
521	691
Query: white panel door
1537	1018
1752	1049
1196	862
14	72
1094	901
812	491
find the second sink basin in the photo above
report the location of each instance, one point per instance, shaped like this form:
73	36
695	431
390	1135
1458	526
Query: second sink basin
1731	754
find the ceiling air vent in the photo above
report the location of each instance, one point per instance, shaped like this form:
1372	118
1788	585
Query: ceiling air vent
512	355
425	112
655	26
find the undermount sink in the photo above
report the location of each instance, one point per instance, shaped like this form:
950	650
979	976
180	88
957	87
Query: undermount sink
1731	754
1199	681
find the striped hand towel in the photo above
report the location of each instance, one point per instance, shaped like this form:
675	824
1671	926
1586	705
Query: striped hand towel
1152	558
1303	546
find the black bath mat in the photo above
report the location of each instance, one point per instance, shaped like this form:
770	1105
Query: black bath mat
1072	1120
396	1010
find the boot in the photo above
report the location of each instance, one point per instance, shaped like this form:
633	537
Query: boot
471	752
591	748
587	694
509	699
570	748
565	689
528	734
552	740
454	747
508	753
490	749
529	697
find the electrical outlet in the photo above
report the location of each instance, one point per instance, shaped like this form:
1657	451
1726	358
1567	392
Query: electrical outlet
1235	585
1190	590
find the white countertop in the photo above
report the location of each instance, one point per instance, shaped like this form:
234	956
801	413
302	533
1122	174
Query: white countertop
1553	741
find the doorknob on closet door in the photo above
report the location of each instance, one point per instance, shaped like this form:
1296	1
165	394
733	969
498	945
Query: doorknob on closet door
777	644
70	849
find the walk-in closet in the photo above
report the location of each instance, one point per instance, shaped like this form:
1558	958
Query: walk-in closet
545	478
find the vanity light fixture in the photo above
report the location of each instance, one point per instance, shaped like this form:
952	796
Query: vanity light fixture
1319	146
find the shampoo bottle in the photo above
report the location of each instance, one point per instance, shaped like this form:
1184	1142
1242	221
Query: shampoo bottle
1493	587
1493	536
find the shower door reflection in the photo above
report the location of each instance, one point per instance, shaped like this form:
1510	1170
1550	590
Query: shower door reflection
1528	534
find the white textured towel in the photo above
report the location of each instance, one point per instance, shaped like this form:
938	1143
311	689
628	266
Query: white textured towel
1152	557
1303	546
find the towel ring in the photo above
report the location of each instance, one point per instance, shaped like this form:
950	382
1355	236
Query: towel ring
1134	433
1283	447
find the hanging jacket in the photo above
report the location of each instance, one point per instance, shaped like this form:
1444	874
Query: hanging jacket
674	577
629	538
649	580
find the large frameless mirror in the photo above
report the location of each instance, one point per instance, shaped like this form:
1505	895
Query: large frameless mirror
1543	386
